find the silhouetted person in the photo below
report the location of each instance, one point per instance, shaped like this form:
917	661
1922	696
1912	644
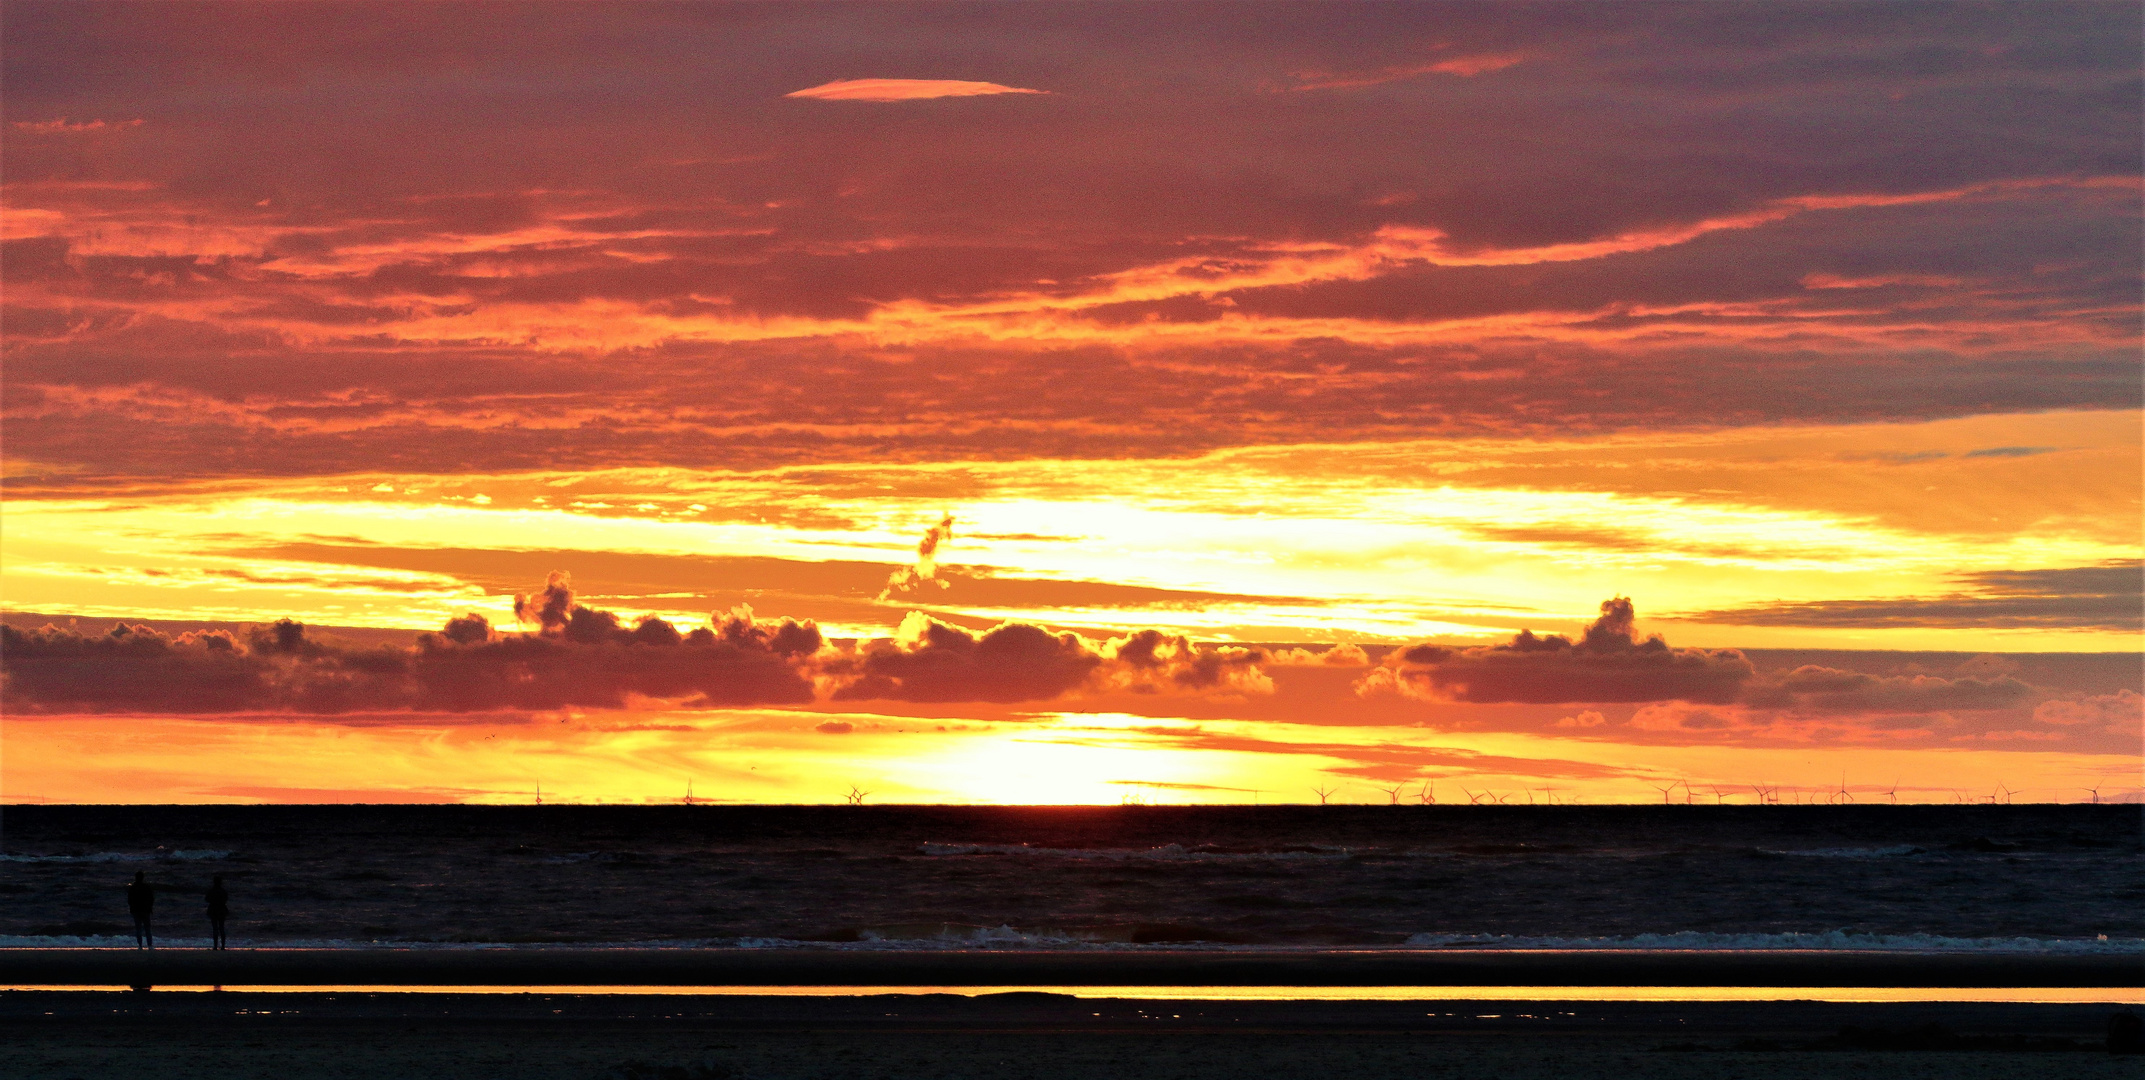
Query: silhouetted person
141	903
219	908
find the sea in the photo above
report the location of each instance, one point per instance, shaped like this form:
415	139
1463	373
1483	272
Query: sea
2041	878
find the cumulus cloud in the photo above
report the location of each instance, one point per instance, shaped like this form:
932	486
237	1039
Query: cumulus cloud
925	568
928	660
1345	654
580	656
1609	663
2119	713
903	90
1980	702
1149	661
1823	689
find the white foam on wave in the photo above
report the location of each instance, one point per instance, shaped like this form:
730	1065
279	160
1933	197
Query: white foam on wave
203	855
1891	851
1164	853
1829	940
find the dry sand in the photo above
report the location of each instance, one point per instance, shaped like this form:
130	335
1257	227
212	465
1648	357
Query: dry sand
241	1036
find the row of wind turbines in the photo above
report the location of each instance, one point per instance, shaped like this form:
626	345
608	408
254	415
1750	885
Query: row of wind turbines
1397	795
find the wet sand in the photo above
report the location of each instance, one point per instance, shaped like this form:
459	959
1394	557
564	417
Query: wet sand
837	967
563	1032
1022	1036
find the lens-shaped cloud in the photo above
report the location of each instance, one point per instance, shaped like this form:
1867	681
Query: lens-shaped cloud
903	89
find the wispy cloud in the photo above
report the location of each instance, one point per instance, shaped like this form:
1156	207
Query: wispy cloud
2089	597
909	578
1462	66
64	126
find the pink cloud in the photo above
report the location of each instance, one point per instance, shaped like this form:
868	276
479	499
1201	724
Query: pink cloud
2119	713
64	126
903	90
1462	66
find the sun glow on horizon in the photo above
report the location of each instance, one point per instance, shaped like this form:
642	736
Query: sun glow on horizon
1050	759
1370	397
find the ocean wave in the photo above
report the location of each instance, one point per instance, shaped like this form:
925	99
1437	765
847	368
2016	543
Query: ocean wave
1829	940
1164	853
124	941
203	855
1886	852
933	936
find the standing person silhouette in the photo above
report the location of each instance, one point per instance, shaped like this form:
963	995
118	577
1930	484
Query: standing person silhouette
219	908
141	903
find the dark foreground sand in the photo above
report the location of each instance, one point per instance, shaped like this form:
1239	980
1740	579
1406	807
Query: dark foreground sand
535	1036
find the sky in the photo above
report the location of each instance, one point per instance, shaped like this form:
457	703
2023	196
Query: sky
1083	403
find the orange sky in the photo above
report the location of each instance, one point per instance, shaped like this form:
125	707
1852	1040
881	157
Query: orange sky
1271	374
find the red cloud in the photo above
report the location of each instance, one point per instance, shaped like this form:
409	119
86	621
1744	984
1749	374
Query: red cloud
587	657
1607	664
928	660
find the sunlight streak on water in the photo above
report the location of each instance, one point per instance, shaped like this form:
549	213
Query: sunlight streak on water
2004	995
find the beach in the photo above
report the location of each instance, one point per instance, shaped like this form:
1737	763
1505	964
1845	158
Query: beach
786	1014
1000	943
1018	1036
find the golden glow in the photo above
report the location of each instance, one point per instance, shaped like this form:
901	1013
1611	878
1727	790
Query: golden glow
1063	758
1460	540
1195	345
